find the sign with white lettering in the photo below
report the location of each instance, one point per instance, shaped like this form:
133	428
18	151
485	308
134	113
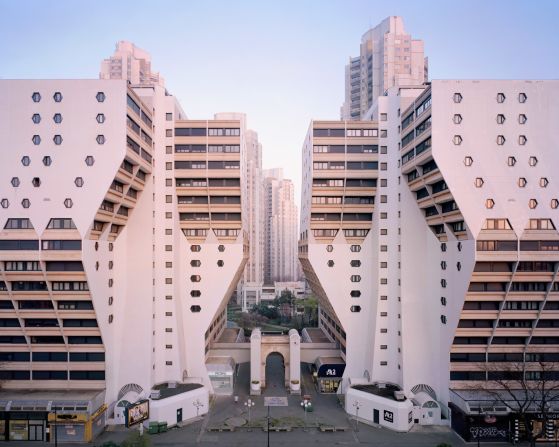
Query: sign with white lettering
275	401
488	432
541	416
331	370
389	416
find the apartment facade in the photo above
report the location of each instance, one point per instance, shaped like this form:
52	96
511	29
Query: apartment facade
280	228
208	167
131	63
249	289
498	205
72	213
388	57
337	245
102	248
463	256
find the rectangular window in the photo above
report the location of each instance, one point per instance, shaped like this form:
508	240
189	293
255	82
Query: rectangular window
61	245
133	105
423	106
12	244
190	132
407	121
224	132
407	139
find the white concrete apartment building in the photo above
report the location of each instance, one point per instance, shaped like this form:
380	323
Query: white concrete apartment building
340	174
249	290
478	159
388	57
453	278
281	228
131	63
76	160
107	255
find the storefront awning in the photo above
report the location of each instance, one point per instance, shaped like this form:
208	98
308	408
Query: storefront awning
330	367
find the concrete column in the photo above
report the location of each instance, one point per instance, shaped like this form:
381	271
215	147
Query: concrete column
295	361
255	360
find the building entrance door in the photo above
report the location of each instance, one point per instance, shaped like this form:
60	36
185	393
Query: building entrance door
36	432
329	386
179	415
376	416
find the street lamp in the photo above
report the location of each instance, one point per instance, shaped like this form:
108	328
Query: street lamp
356	405
305	403
249	403
198	405
55	430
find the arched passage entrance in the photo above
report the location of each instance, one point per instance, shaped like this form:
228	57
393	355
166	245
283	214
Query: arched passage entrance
274	378
287	347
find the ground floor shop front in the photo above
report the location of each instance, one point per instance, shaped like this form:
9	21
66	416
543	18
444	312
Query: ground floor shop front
46	426
23	426
327	373
48	416
504	427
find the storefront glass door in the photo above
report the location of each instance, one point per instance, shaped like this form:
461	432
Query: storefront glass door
329	386
36	431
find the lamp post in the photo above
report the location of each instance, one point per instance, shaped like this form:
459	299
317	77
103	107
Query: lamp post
249	403
198	405
55	430
478	433
356	405
268	427
305	403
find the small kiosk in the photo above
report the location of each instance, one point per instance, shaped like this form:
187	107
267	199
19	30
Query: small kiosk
221	372
327	373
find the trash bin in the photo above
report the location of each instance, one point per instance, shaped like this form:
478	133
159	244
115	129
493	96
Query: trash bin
153	428
162	427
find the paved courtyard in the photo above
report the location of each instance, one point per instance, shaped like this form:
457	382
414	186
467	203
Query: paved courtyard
328	411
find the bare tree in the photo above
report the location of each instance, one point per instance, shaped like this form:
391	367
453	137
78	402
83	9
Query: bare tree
529	389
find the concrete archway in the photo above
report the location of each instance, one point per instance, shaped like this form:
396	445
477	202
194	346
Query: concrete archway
288	346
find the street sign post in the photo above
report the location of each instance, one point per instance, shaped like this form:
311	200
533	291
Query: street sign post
271	401
275	401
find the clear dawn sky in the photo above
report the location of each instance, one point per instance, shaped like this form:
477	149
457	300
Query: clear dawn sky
281	62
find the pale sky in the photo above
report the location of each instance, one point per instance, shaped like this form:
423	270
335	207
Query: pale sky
280	62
